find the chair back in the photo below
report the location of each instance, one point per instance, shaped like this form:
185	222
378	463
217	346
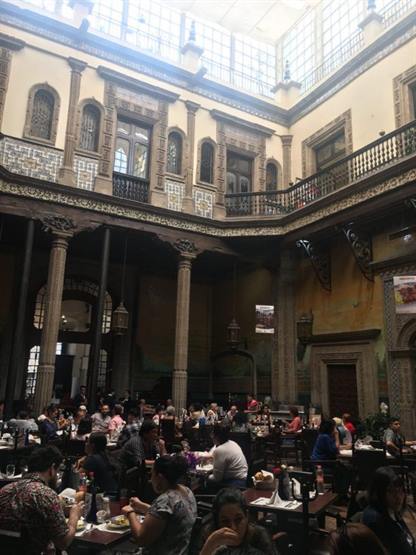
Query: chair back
365	463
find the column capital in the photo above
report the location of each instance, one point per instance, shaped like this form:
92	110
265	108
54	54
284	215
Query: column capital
186	249
192	107
60	226
286	140
77	66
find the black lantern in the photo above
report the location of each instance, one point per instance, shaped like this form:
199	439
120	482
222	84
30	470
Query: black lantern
120	319
304	328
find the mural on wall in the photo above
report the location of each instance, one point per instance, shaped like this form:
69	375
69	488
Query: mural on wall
405	294
264	318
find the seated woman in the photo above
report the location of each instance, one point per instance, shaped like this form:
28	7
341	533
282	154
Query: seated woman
295	425
384	513
230	531
97	461
240	423
167	526
327	443
355	539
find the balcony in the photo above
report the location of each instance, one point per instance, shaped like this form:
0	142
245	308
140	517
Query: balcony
130	187
374	157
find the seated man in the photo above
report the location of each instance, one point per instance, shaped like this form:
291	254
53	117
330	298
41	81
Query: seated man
230	464
393	440
145	445
97	461
23	423
30	507
101	419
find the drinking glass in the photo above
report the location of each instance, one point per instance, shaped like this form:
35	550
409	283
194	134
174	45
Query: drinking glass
10	468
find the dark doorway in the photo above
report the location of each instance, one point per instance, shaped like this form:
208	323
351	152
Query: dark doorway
63	375
342	389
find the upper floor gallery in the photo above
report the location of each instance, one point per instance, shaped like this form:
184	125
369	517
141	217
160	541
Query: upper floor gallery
167	123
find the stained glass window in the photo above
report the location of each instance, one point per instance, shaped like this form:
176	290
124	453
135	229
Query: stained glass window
207	163
42	114
90	128
174	164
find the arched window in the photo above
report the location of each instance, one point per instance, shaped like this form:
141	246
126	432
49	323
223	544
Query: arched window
42	115
90	128
271	177
174	164
206	173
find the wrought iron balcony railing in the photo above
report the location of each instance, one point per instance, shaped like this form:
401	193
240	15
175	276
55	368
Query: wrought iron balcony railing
130	187
375	156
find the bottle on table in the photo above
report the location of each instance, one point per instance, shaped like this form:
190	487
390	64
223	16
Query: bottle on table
319	474
92	490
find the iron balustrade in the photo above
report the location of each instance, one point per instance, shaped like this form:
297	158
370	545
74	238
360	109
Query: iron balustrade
130	187
373	157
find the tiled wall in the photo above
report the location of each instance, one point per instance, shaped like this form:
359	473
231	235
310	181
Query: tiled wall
203	202
42	162
175	192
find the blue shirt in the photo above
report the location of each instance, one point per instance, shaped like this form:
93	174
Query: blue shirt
325	448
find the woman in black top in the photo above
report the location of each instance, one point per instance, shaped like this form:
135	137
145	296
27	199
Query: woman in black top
97	461
384	514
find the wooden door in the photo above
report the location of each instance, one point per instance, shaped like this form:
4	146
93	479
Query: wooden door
342	389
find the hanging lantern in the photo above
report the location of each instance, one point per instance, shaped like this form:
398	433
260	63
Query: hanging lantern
233	334
120	320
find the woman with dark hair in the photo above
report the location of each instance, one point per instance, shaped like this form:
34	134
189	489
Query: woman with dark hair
384	513
167	526
230	531
355	539
327	443
96	461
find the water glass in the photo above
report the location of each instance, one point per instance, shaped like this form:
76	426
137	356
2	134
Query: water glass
10	469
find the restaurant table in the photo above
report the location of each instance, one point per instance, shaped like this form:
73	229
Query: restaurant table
291	520
348	454
97	540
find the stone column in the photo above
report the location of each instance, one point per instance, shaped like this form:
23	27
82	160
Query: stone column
187	252
66	172
287	159
16	366
192	108
284	380
62	230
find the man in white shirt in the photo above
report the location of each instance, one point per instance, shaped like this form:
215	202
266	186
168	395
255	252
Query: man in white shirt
230	465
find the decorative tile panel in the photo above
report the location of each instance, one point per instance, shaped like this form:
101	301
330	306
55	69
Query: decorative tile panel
30	159
203	202
85	170
176	192
42	162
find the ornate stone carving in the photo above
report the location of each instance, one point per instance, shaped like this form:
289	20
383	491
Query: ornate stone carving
402	96
121	209
362	250
186	247
58	224
308	145
321	262
29	113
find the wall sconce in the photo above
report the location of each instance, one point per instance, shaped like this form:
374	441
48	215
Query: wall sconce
304	333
